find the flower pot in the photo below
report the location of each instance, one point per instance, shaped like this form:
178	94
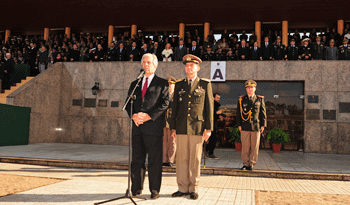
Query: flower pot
276	148
238	146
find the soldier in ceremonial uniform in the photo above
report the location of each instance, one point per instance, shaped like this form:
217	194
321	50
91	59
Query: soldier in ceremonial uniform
230	56
305	51
219	55
332	51
318	49
251	122
279	50
344	50
111	53
208	55
191	123
292	51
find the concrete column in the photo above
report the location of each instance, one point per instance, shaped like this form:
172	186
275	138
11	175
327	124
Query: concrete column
7	34
285	33
206	29
133	30
258	31
67	32
46	34
182	31
110	34
340	27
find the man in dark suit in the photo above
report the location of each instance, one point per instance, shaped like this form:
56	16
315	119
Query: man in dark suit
134	53
121	53
144	49
243	51
266	50
255	52
195	50
156	50
180	51
111	53
152	100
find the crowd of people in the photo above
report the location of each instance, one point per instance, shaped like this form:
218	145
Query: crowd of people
41	54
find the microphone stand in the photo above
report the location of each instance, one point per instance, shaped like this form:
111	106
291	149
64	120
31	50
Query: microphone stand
128	194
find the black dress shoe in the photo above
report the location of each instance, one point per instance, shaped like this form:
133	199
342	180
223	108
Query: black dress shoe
178	194
250	168
194	195
138	192
244	168
155	195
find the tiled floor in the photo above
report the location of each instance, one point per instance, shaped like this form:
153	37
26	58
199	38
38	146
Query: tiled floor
228	158
87	186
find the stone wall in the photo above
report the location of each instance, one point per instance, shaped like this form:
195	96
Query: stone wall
51	94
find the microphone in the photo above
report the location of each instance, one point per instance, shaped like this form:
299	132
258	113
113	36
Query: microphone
142	73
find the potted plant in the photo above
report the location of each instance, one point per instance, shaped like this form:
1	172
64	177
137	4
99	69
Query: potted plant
277	137
236	138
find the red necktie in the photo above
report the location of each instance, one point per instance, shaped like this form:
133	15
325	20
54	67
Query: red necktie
144	89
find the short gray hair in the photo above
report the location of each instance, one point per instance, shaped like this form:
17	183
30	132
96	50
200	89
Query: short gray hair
155	59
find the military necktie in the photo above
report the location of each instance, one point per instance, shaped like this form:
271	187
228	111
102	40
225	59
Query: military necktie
190	82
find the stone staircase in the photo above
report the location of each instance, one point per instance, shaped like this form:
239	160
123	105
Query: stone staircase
13	88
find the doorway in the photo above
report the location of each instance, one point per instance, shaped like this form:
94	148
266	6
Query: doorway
284	102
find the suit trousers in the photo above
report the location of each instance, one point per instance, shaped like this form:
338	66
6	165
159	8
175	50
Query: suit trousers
169	146
212	142
250	142
153	146
188	162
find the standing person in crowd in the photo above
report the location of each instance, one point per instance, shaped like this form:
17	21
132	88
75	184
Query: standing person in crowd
134	53
243	51
9	70
255	52
344	50
292	51
152	100
318	49
267	50
180	51
213	138
75	53
43	59
251	122
195	50
156	50
144	49
99	53
169	143
121	53
243	36
32	59
332	51
305	51
191	123
167	53
279	50
111	54
208	55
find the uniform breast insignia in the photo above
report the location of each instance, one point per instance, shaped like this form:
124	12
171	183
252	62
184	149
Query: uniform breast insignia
181	93
257	103
199	90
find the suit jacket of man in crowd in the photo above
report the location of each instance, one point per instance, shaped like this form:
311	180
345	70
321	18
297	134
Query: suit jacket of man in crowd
266	51
255	54
158	53
243	51
136	54
180	53
196	51
121	56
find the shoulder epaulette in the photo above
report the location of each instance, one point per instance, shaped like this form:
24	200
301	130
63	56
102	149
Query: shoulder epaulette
260	96
341	46
180	80
241	96
206	79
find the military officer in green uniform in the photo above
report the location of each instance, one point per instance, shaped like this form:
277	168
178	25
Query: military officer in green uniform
344	50
279	50
251	122
191	123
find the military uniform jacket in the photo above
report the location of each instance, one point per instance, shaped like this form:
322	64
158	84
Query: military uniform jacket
292	53
344	52
192	107
318	51
258	116
220	56
111	54
279	51
208	56
305	51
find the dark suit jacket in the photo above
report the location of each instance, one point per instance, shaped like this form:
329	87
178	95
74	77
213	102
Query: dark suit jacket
243	51
155	103
136	53
158	53
196	52
121	56
255	55
178	55
266	52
